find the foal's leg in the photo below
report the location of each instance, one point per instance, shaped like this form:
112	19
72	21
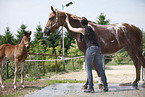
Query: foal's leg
16	72
1	75
1	69
22	74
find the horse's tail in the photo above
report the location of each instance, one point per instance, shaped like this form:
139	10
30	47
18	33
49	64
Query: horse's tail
142	59
2	51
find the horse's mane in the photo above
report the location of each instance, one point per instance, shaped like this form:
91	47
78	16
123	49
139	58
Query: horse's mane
77	18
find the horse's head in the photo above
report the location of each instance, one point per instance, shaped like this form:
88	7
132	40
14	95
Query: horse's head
55	20
26	38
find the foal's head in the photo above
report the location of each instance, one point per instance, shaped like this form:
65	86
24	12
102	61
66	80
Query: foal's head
26	38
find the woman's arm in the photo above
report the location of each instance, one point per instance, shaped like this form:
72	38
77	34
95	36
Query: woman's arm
77	30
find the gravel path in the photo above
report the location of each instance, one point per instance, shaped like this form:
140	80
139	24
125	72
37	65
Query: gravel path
115	76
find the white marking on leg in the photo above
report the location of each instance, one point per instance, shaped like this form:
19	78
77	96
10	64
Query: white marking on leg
15	87
1	75
23	86
100	80
144	74
2	86
22	73
112	40
15	73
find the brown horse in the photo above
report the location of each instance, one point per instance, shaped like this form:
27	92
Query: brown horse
111	38
16	53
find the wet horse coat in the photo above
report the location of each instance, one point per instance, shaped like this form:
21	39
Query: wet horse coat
16	53
111	38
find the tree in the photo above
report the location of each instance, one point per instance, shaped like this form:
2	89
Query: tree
38	34
69	40
38	38
102	19
53	40
20	32
1	37
8	38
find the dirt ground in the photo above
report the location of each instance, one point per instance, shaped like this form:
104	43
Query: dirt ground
115	74
29	87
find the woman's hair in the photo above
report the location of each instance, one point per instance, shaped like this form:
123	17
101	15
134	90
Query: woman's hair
84	21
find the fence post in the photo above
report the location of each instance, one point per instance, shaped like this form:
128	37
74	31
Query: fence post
72	64
7	70
43	68
79	64
56	64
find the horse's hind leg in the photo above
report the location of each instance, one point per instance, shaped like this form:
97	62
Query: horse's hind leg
136	64
100	83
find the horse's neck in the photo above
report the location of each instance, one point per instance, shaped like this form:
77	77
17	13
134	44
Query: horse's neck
74	34
22	45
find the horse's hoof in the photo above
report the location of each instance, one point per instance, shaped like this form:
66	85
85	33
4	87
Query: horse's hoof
84	87
3	86
106	89
100	86
15	87
143	85
135	85
23	86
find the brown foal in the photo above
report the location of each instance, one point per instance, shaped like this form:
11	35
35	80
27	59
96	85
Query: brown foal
16	53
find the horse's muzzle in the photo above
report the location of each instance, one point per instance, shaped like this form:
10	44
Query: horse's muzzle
47	31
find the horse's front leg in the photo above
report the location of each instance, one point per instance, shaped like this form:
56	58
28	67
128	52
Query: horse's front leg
143	77
22	74
2	62
1	75
100	83
16	72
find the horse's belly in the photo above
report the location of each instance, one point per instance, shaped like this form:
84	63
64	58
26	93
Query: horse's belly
10	57
110	49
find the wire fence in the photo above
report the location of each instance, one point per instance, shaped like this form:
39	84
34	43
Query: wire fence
38	64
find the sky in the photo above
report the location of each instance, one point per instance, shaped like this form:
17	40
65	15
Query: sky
14	13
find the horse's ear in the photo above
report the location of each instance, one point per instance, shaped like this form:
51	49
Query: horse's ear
53	10
30	33
25	33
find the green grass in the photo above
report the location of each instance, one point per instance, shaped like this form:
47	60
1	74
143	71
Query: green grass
50	82
115	64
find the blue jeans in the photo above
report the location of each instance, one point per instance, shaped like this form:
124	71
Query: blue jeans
93	53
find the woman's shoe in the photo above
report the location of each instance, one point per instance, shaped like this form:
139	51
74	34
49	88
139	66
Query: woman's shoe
106	89
89	91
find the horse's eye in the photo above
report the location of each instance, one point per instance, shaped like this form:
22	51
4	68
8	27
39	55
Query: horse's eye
51	18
